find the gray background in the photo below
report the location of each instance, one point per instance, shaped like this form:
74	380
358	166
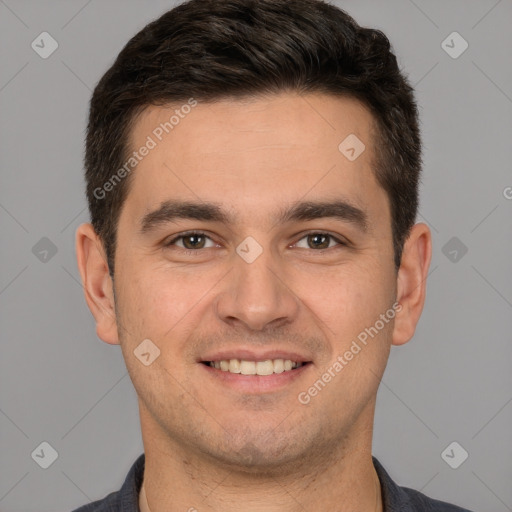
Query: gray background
60	384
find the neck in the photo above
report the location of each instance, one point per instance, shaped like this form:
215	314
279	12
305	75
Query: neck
341	479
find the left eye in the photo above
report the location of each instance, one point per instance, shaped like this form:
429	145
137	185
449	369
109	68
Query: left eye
196	241
319	241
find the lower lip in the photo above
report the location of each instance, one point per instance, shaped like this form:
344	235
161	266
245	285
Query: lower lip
256	383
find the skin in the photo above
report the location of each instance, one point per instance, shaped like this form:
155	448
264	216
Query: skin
213	446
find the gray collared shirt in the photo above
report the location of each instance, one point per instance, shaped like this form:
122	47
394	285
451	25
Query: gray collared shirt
394	498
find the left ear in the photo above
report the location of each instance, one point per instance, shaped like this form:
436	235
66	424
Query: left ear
412	282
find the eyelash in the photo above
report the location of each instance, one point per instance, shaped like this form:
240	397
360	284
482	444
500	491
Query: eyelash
201	233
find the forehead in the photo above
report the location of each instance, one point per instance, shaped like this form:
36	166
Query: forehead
254	153
292	120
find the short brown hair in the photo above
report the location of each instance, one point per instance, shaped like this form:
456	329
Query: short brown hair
217	49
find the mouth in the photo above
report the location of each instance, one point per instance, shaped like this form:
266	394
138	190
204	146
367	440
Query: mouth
261	368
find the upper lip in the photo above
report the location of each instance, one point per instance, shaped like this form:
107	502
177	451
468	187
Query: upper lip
252	355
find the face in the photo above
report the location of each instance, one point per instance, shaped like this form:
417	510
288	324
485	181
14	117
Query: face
249	237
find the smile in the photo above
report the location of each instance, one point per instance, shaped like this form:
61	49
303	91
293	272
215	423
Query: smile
246	367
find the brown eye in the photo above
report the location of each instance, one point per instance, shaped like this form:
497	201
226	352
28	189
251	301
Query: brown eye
193	241
319	241
190	241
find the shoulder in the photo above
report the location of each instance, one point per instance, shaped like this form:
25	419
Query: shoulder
108	504
127	498
403	499
420	502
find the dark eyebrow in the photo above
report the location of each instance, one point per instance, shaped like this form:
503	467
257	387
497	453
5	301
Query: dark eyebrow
312	210
170	211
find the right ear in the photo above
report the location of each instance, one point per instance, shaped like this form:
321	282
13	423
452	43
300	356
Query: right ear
97	282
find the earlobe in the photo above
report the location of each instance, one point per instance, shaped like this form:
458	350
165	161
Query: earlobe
97	282
412	282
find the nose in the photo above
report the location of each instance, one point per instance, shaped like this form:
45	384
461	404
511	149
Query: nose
257	295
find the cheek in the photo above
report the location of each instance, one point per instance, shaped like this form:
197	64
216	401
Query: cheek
353	296
159	306
142	303
350	303
164	304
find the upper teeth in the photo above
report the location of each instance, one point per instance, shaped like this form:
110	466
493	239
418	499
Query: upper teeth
244	367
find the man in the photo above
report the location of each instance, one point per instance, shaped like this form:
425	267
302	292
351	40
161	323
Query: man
252	171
